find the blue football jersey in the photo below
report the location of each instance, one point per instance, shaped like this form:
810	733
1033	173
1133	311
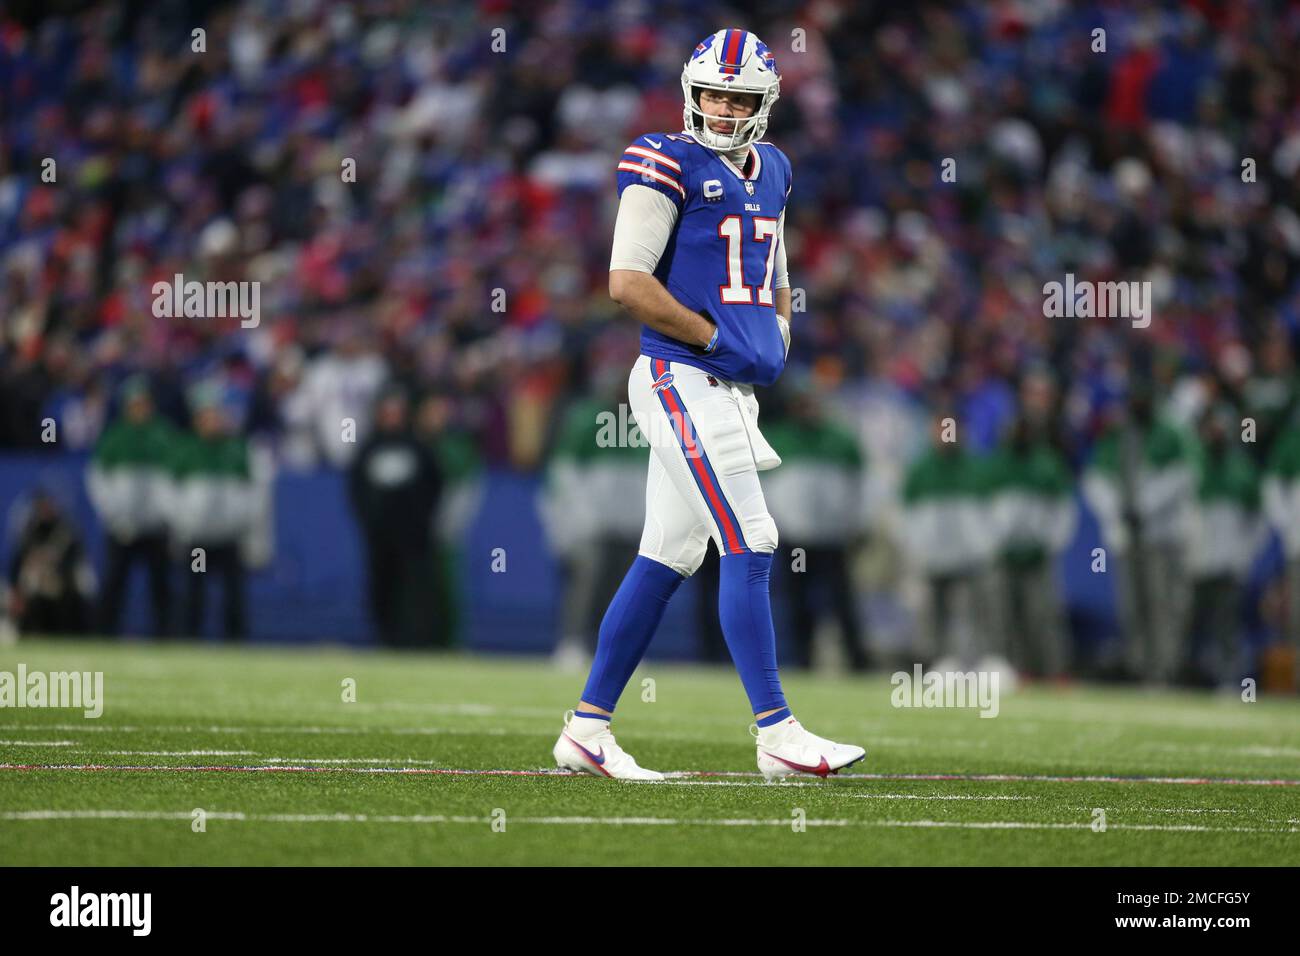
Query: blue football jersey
721	257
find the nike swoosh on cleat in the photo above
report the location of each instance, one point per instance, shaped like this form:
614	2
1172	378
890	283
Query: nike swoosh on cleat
822	769
599	758
653	143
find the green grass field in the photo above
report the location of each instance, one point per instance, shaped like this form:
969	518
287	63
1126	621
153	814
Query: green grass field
288	773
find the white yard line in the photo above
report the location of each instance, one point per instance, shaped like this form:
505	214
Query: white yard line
295	729
104	814
1255	750
38	743
302	765
818	783
920	796
175	753
1075	825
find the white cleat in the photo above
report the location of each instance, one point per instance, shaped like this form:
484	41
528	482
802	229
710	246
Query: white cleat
786	748
599	755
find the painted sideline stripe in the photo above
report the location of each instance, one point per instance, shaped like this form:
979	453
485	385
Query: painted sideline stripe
961	777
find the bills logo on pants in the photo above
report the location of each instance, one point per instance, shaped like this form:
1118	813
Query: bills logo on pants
702	481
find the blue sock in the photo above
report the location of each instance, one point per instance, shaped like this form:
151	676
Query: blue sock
776	718
628	625
745	610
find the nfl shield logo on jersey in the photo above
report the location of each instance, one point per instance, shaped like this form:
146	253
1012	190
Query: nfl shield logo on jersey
749	187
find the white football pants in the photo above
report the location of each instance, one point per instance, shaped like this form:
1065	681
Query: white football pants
705	455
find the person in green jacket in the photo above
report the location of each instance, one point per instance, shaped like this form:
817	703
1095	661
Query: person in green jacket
815	498
1282	503
1227	533
127	480
947	531
592	507
1141	484
1035	517
462	494
211	508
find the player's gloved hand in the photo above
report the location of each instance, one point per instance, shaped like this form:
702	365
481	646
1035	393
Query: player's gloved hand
784	324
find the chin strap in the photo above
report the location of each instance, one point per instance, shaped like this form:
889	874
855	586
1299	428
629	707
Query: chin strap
737	156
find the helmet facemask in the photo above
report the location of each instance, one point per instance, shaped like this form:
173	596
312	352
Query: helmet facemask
745	130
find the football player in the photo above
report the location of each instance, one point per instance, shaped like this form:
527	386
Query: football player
698	258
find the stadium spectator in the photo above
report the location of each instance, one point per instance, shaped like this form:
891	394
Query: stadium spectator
458	459
211	508
396	488
1141	483
947	531
815	497
1034	515
1226	534
593	507
51	582
128	480
1282	503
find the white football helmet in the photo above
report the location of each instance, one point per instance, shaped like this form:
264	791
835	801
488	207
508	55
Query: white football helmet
730	60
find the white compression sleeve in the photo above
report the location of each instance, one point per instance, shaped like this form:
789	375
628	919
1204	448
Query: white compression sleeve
780	274
645	222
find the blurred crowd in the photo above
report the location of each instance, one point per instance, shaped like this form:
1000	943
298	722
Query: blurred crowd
949	159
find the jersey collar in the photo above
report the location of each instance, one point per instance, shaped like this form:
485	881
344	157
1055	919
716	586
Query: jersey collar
758	159
758	164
